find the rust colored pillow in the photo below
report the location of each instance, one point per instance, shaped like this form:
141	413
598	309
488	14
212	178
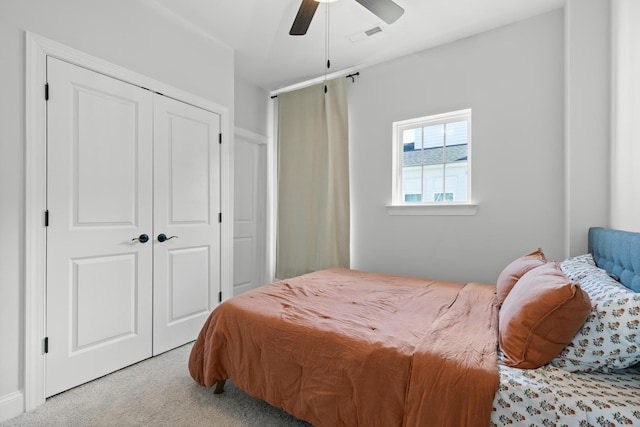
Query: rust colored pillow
540	316
515	270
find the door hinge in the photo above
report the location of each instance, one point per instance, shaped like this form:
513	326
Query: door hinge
46	91
46	218
220	296
219	138
220	217
46	345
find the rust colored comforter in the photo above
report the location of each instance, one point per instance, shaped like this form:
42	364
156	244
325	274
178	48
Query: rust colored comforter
346	348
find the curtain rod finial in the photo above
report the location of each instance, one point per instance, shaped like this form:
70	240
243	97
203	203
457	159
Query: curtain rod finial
353	76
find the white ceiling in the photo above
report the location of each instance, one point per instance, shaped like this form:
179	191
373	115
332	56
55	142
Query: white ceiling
266	55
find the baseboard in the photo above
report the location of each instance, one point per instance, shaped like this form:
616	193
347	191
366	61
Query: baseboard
11	405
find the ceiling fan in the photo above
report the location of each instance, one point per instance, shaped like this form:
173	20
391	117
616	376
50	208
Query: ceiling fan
386	10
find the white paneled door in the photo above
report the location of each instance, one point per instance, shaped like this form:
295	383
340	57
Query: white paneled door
249	225
125	167
186	207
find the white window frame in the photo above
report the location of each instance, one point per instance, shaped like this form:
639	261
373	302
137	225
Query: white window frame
398	205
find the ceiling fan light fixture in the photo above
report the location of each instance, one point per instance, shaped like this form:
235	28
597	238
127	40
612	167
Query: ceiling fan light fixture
387	10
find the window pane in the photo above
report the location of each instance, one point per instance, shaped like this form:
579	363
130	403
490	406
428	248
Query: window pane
412	139
433	136
456	158
409	139
418	138
433	181
446	197
446	183
457	133
411	184
457	180
411	158
455	153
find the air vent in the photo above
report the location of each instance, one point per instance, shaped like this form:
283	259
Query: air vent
361	35
373	31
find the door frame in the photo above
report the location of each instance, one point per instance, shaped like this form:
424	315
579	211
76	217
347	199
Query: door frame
37	50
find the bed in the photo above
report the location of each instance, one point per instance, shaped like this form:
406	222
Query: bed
344	347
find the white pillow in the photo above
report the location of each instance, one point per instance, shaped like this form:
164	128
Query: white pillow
610	337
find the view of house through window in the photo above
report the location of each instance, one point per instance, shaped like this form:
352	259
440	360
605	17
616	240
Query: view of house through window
432	155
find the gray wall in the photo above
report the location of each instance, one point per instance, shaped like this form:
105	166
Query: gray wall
587	120
131	34
541	99
513	79
251	107
625	197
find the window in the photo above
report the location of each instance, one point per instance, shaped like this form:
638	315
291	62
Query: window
432	162
446	197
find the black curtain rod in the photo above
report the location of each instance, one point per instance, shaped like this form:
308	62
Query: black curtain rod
351	76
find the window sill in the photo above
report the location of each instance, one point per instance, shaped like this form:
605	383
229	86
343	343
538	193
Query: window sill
444	209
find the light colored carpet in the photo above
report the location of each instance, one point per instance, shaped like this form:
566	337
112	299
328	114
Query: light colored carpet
156	392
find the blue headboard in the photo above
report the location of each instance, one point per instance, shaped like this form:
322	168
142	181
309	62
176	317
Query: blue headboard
618	252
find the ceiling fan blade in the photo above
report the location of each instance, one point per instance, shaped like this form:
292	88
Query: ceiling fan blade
386	10
304	17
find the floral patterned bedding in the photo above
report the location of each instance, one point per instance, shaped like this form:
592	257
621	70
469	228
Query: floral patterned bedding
595	381
551	396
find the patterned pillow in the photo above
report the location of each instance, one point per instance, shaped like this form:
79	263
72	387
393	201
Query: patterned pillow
575	265
610	337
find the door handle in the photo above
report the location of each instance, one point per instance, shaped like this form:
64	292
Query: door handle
163	237
143	238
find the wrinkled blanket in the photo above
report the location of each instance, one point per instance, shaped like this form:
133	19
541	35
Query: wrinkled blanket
344	348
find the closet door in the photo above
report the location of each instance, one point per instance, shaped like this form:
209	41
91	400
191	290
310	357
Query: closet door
249	223
99	198
186	228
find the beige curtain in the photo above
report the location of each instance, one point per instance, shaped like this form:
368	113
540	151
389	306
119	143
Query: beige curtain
313	180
